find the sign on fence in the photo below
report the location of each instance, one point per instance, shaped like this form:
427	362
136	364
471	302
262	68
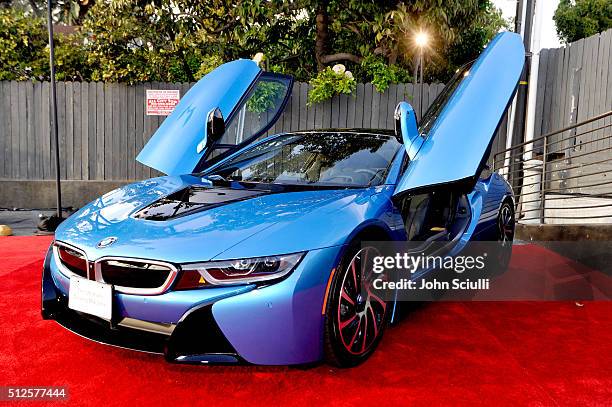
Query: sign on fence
161	102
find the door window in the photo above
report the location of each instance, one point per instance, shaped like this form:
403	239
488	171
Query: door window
256	113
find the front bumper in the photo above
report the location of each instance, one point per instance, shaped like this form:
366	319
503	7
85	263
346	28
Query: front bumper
278	324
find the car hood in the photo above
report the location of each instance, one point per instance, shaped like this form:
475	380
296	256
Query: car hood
209	233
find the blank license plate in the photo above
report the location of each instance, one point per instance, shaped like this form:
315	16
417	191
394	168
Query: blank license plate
91	297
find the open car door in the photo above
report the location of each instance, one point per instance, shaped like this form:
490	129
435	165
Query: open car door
249	100
455	135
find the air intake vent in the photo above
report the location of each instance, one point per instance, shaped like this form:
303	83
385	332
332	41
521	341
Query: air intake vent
134	274
194	199
73	260
127	275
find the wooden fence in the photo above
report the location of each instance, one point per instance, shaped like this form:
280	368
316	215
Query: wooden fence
103	127
575	84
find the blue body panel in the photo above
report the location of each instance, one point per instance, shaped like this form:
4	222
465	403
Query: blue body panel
455	146
173	148
281	323
332	224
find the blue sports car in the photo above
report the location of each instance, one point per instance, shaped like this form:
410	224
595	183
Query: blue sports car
251	248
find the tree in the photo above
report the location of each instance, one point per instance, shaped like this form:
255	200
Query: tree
344	29
582	18
458	31
22	46
180	40
70	12
24	54
166	40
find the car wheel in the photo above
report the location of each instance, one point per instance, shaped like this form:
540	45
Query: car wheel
505	234
355	316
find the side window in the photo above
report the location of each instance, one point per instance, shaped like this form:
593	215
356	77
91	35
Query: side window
257	112
432	114
260	108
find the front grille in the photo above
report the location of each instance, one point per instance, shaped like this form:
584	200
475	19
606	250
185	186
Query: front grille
73	260
136	274
128	275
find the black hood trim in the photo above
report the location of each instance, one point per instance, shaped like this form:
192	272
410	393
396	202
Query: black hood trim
198	198
193	199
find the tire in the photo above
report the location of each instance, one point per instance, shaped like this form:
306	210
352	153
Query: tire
505	234
354	321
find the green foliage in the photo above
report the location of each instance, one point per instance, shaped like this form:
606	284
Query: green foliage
351	27
70	59
24	54
22	46
458	31
179	40
582	18
182	40
328	84
69	12
208	63
132	43
265	96
383	75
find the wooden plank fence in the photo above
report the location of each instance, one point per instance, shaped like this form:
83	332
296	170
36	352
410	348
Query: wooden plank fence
575	84
102	126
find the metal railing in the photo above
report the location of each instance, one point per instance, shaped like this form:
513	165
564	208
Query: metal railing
564	176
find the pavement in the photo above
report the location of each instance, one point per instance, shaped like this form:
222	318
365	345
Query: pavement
23	222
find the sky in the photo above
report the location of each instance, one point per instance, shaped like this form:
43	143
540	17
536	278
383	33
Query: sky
549	37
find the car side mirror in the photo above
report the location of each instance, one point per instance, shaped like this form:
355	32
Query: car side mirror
406	123
215	128
215	125
406	127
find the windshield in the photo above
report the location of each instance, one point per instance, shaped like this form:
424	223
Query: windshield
319	159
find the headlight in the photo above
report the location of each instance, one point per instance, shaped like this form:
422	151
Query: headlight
256	269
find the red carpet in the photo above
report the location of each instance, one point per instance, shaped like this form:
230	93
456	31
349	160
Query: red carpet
480	353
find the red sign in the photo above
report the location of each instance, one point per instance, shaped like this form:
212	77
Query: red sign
161	102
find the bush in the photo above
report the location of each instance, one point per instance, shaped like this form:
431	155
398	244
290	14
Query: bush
331	82
70	59
24	51
383	75
22	46
265	96
207	64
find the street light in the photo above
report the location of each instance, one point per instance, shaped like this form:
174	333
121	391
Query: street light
421	39
50	223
